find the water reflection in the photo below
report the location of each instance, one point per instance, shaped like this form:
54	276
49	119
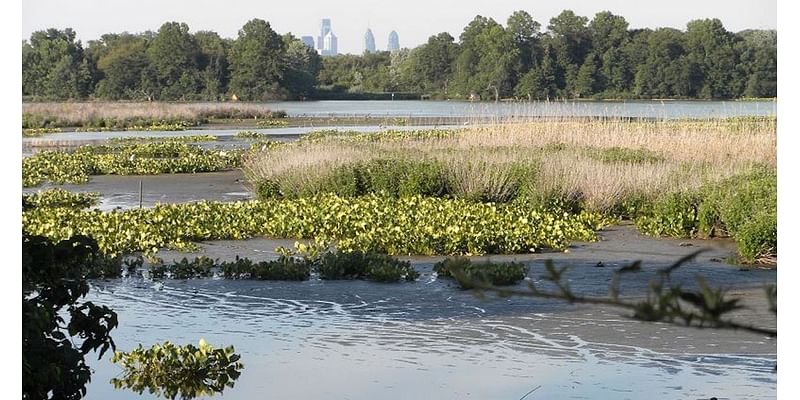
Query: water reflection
428	340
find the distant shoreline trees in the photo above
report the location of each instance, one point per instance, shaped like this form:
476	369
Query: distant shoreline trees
575	57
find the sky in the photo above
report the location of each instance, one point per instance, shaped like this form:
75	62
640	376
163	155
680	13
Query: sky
414	20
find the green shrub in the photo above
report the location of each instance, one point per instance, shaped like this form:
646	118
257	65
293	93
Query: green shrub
369	266
284	269
673	215
758	237
499	274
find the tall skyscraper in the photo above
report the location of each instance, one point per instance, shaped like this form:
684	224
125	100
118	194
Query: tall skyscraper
394	42
324	28
330	47
308	41
326	41
369	41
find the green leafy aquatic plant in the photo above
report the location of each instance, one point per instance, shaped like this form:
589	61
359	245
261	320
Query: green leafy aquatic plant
187	138
59	198
249	135
172	371
33	132
283	269
127	159
408	225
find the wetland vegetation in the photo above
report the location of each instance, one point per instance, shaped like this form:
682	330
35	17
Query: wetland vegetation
502	188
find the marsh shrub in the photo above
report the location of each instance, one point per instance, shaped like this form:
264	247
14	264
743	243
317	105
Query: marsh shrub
282	269
672	215
743	207
359	265
500	274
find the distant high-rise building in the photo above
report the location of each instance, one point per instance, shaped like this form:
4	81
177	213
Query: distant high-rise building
394	42
369	41
326	41
330	47
308	41
324	28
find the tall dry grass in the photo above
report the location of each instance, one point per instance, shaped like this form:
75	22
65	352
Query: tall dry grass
559	156
78	113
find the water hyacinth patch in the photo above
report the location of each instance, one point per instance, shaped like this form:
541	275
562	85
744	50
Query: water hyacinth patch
409	225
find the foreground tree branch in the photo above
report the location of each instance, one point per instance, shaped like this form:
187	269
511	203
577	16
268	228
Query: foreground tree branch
665	301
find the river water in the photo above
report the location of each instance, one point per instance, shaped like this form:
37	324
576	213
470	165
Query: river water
431	340
417	108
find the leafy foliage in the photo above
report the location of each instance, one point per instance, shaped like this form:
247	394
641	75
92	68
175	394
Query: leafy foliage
409	225
178	371
59	198
370	266
58	330
500	274
743	207
577	57
130	159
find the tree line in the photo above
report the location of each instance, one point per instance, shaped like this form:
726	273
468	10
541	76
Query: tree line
574	58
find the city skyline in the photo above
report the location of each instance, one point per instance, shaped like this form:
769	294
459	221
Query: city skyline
91	19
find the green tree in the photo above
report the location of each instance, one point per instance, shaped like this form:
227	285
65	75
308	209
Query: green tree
432	63
524	30
589	80
487	61
256	61
668	71
212	63
711	48
122	61
540	81
571	40
301	67
758	58
53	66
173	55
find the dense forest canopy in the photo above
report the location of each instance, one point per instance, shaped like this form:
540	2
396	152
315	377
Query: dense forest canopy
571	57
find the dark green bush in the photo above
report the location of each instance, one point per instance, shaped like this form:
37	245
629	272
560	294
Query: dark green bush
370	266
500	274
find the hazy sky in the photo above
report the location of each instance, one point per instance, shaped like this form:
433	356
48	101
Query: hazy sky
414	20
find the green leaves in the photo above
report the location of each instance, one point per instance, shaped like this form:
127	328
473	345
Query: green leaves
58	331
465	272
129	159
372	223
171	371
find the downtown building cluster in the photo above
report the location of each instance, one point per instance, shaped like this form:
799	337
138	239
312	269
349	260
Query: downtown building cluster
327	44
